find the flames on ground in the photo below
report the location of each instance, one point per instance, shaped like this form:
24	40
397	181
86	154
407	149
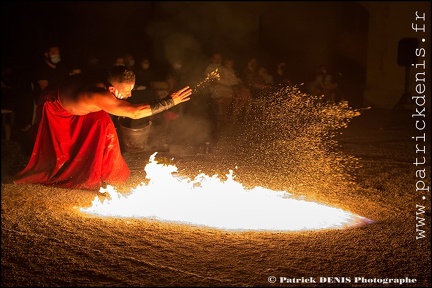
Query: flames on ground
295	132
209	201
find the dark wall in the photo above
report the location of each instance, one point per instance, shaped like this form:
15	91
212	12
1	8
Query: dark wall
80	28
304	34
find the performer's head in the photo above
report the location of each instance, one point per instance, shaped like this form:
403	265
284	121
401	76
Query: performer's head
122	81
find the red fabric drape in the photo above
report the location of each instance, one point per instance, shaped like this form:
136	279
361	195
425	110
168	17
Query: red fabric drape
74	151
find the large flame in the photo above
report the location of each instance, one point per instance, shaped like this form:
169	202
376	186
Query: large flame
209	201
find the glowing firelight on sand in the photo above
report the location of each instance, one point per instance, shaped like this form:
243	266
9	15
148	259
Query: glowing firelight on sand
208	201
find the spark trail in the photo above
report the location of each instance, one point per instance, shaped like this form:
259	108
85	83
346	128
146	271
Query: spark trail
213	76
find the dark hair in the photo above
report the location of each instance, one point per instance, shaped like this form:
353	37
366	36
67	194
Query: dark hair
47	46
120	74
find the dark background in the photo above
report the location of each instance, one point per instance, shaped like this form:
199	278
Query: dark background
80	28
303	34
354	39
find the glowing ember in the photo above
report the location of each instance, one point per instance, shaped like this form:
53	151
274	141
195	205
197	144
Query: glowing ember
208	201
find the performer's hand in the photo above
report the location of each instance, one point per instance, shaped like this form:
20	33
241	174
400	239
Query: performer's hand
181	95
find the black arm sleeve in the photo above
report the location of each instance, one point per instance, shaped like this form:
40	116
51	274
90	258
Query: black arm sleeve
161	105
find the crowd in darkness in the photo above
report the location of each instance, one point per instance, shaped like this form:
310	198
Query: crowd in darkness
235	96
28	64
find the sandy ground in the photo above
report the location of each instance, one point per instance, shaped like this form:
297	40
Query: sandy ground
47	241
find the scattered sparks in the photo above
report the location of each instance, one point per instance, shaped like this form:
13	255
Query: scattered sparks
295	134
213	76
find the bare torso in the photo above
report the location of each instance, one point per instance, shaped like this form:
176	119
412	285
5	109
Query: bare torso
80	97
75	95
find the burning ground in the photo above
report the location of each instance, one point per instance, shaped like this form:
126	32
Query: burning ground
356	160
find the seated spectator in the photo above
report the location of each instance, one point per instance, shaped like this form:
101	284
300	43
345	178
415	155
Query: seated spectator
144	75
257	78
280	77
163	123
129	61
330	88
250	72
215	63
48	73
240	105
221	91
119	61
260	84
94	67
324	86
316	87
265	77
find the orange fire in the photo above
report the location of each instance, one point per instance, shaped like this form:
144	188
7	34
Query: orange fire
208	201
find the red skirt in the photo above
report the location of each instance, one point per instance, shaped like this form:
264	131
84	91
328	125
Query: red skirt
72	151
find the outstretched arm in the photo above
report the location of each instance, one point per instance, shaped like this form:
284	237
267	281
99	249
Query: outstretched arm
123	108
171	100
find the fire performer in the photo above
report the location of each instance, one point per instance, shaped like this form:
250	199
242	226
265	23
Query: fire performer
76	145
